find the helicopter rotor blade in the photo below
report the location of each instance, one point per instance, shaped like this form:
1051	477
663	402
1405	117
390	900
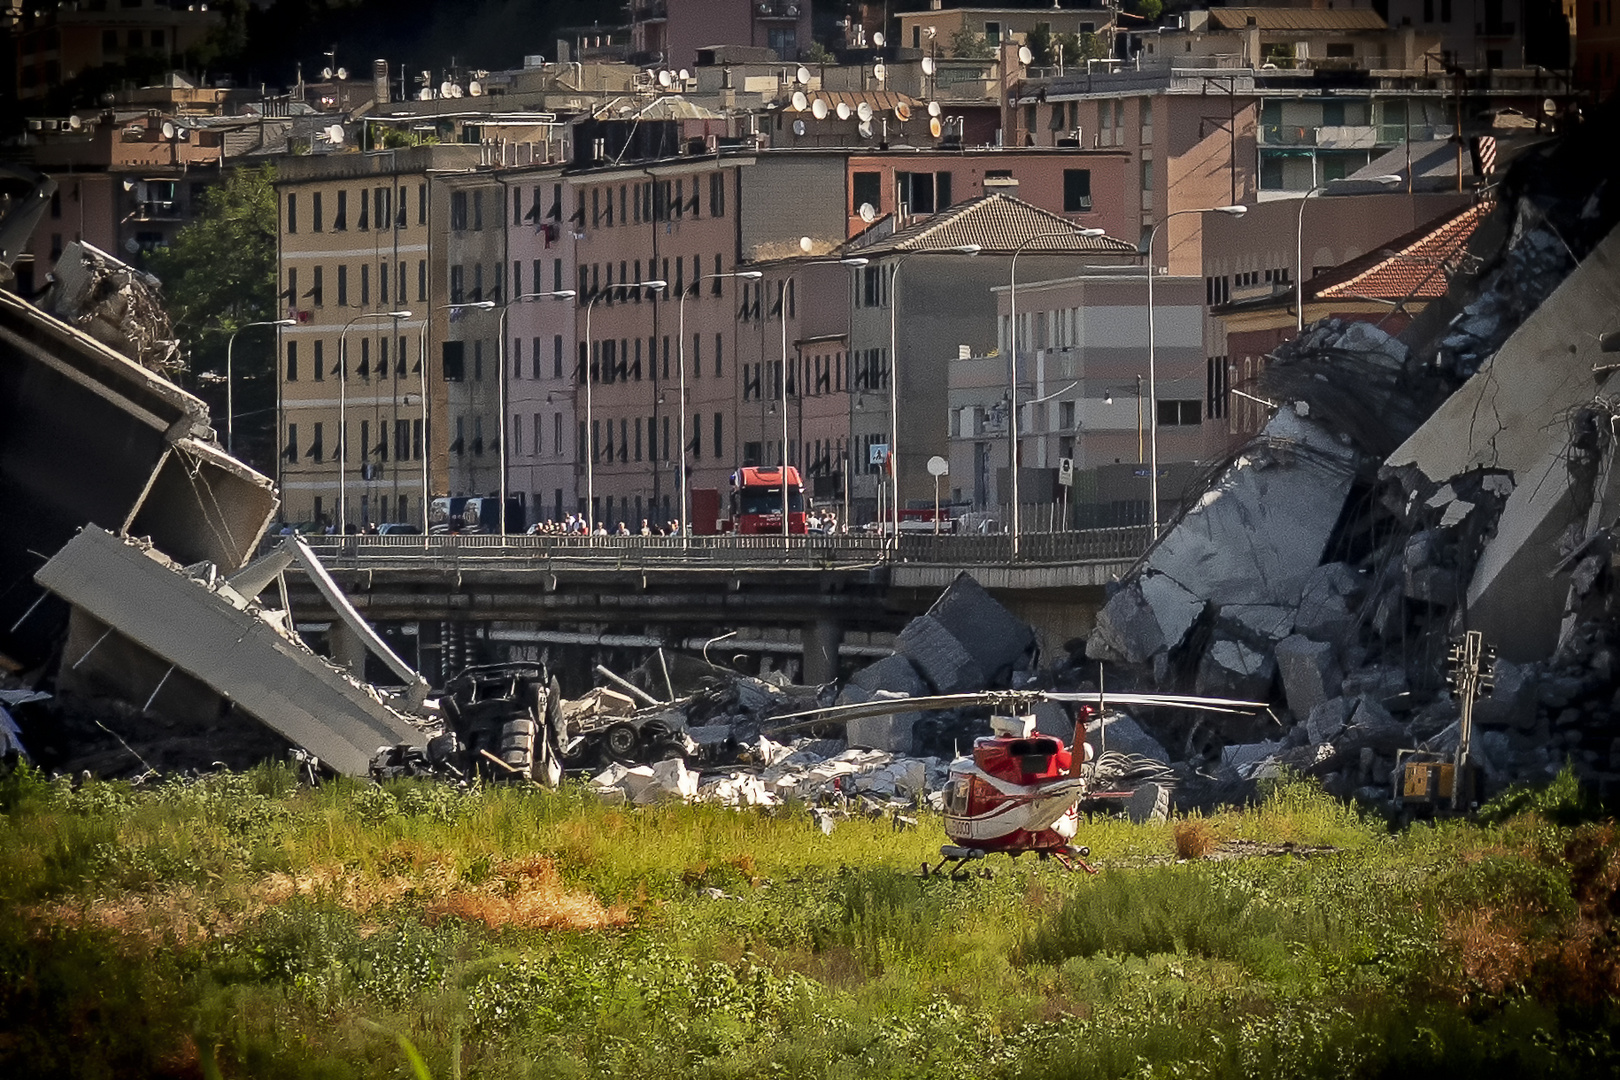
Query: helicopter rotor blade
1181	701
887	706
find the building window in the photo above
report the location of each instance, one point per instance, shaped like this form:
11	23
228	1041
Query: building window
292	211
341	222
455	361
992	32
317	292
342	285
1216	388
866	188
1177	413
315	211
292	361
1076	190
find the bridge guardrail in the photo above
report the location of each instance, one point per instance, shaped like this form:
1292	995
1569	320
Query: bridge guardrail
819	552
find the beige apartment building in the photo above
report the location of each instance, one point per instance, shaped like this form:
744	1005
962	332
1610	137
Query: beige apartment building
362	400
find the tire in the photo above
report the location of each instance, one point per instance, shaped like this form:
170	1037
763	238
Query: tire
621	740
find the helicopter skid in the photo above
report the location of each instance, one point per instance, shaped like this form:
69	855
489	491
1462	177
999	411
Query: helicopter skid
954	859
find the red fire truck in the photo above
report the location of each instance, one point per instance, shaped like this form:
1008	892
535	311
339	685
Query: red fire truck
756	501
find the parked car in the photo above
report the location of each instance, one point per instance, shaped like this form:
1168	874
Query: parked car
399	528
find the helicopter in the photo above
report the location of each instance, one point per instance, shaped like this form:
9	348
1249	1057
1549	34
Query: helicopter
1018	790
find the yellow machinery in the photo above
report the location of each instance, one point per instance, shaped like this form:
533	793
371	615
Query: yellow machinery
1426	781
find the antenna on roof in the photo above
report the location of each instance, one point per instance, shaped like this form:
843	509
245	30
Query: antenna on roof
818	109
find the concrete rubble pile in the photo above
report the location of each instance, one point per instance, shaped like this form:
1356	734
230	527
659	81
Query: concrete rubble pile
1458	476
138	620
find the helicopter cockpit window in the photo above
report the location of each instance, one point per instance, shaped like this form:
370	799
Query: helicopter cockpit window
956	797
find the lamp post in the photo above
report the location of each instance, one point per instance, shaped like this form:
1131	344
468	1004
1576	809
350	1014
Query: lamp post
1108	399
1153	384
853	262
655	287
680	470
230	400
894	366
1299	240
343	408
1012	363
500	385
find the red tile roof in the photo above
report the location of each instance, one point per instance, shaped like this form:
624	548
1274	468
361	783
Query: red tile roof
1418	264
1236	18
999	224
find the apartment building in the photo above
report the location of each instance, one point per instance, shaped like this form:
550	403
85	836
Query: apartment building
670	32
471	355
1084	395
59	42
365	397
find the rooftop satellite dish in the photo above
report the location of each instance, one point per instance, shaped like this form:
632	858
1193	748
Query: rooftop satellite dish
335	133
168	130
445	89
1025	57
806	244
455	91
934	127
818	109
665	78
185	134
902	111
75	123
928	65
864	111
933	108
798	127
342	73
868	212
326	73
843	110
865	129
475	88
424	94
880	73
878	39
1550	107
685	75
803	75
800	102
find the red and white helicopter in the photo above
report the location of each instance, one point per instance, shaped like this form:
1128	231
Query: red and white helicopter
1018	790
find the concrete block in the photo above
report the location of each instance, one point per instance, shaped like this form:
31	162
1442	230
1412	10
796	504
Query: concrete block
939	658
1174	608
1329	718
1512	701
891	733
1383	683
1262	622
892	673
995	638
1244	757
1309	671
1121	734
1126	629
1374	344
1232	669
1053	718
1324	611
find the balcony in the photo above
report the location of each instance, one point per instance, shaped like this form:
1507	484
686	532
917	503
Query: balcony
778	9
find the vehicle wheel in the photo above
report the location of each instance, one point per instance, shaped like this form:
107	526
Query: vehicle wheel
621	740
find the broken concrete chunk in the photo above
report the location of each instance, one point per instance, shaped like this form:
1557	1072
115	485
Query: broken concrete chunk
1174	607
1384	683
1126	629
1120	734
1373	344
892	673
1053	718
1512	700
1329	718
938	657
1244	758
1264	622
116	304
1309	671
1233	670
996	639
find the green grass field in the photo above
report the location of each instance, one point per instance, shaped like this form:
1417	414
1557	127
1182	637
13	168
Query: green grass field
244	926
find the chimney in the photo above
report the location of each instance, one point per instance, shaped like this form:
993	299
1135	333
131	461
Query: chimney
379	81
1251	34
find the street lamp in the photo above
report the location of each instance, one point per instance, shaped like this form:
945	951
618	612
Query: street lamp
230	402
343	409
894	367
853	262
1299	239
653	287
740	275
1153	383
1012	364
500	385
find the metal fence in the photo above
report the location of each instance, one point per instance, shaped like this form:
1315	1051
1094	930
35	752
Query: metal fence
1085	545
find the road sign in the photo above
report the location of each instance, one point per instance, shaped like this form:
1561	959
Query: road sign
1066	471
877	453
938	466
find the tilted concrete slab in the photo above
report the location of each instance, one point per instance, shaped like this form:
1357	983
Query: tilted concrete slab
1513	415
220	638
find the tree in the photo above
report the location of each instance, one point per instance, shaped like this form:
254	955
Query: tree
1039	42
966	45
218	275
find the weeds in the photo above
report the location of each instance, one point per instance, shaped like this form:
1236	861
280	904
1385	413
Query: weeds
241	925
